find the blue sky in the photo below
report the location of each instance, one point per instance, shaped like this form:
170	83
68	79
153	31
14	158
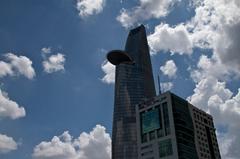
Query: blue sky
55	81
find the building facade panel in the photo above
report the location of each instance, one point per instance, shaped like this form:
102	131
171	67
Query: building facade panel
161	139
184	128
205	136
182	131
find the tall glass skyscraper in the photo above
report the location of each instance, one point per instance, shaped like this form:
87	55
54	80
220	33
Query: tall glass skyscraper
133	82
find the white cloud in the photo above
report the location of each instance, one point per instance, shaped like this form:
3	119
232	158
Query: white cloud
109	71
9	108
206	88
147	9
93	145
46	50
90	7
216	26
16	65
21	64
174	39
229	115
227	46
213	96
5	69
7	144
210	66
166	86
169	69
54	63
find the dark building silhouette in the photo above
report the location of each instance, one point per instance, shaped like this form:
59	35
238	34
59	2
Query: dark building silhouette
133	82
169	127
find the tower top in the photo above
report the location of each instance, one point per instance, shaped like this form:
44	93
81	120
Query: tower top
117	57
137	29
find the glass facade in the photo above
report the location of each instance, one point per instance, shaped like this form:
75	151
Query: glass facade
165	148
166	118
153	125
133	83
150	120
184	129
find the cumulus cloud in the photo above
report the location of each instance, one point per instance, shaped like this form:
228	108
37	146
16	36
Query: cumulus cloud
228	112
212	95
174	39
16	65
211	67
9	108
90	7
109	71
166	86
54	63
169	69
46	50
93	145
5	69
207	87
227	45
21	64
7	144
216	26
147	9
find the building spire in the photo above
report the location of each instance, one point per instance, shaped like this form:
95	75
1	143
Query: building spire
159	85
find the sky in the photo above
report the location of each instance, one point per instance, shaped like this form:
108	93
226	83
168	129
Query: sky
56	87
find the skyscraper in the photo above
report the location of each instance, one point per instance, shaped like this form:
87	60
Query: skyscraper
133	82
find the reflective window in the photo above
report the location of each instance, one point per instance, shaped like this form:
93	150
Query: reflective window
150	121
165	148
166	118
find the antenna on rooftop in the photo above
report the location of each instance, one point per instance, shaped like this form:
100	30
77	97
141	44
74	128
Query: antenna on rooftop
159	85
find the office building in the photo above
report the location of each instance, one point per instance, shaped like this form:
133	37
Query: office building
133	82
171	128
205	136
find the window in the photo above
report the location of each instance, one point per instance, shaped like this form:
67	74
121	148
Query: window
165	148
146	147
144	138
152	135
166	118
150	120
147	153
160	133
